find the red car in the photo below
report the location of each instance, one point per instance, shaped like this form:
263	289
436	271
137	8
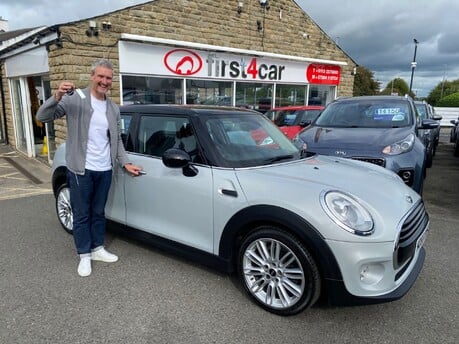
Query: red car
291	119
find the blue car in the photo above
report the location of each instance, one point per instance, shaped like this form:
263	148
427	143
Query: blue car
382	130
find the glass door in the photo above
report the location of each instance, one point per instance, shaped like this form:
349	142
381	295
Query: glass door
20	117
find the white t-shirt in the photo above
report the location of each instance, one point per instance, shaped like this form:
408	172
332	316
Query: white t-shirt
98	149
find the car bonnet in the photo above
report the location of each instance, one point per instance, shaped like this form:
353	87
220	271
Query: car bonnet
358	140
298	185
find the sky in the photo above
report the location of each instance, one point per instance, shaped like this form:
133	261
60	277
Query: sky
377	34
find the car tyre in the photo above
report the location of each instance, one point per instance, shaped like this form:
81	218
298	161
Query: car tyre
456	148
64	208
278	272
429	160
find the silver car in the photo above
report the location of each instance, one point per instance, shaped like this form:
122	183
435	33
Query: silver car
225	187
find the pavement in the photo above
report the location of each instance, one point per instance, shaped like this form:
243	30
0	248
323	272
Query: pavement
21	176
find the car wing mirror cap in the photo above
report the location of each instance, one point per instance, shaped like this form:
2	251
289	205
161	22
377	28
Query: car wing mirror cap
429	124
178	158
305	123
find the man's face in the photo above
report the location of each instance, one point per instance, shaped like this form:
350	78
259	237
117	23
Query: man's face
101	81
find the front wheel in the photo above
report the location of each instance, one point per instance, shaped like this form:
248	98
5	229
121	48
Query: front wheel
429	160
456	148
64	208
278	272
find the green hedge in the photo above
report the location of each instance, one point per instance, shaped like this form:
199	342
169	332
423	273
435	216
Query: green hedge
449	101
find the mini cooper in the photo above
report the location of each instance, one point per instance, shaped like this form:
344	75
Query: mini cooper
225	187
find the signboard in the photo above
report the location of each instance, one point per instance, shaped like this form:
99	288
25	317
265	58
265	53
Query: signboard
323	74
146	59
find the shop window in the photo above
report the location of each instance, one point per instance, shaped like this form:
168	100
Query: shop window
254	95
320	95
209	92
151	90
287	95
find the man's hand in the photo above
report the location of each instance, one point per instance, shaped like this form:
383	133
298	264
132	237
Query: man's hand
63	88
133	169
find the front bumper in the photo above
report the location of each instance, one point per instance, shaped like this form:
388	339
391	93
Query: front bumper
339	296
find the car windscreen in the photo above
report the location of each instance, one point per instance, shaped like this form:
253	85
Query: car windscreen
248	140
366	114
422	110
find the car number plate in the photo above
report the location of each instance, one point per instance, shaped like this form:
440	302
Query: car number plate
421	240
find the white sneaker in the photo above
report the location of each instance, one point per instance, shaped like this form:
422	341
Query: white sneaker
84	268
104	256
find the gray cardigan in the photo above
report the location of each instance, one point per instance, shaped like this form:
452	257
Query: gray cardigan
78	113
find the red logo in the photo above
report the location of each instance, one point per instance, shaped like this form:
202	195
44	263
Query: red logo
323	74
183	62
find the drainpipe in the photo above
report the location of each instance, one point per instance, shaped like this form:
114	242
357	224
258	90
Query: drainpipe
5	132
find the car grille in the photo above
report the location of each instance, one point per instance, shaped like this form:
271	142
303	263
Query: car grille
376	161
413	226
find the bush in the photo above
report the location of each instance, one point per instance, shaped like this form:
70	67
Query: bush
449	101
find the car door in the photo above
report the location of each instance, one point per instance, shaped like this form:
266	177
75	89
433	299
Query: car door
115	209
164	201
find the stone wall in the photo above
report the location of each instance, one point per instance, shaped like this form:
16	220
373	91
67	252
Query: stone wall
8	110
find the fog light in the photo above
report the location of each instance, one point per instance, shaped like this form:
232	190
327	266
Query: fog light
407	176
371	273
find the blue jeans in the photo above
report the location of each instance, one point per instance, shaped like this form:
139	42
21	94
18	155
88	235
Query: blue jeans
88	196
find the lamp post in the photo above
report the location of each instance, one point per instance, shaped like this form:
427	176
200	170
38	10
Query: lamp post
413	64
443	82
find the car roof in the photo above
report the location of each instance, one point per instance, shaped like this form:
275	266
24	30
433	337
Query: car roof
298	107
175	109
378	97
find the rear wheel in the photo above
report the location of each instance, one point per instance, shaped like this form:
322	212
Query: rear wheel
278	272
64	208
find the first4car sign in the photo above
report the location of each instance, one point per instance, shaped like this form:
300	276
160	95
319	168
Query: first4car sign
186	62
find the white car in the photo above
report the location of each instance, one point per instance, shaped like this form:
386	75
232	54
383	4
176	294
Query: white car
227	188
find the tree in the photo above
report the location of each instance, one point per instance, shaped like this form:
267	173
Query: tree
397	86
443	89
364	83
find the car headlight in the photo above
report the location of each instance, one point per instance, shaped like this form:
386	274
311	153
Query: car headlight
347	212
400	147
299	143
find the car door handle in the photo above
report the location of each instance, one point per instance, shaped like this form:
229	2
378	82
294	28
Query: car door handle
232	193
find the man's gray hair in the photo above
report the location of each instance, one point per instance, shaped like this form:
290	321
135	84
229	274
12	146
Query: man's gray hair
101	63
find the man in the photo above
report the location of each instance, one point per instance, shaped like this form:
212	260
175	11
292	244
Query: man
93	147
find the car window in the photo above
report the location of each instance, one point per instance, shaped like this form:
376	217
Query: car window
422	110
309	115
245	141
125	124
157	134
285	117
366	114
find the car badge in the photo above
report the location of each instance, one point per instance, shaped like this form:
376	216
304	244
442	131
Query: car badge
340	152
409	199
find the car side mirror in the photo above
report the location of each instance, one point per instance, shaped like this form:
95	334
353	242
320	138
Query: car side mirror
437	117
429	124
305	123
177	158
453	121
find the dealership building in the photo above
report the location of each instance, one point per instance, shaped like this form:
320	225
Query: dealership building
256	54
